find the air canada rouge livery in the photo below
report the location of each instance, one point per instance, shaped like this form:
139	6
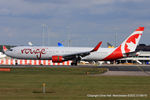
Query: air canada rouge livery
76	54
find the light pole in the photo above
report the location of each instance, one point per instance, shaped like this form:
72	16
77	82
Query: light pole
43	34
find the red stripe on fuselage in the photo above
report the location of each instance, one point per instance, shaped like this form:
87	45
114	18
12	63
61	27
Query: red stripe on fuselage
115	54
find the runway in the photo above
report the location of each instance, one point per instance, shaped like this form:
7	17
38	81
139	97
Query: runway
110	67
124	73
127	67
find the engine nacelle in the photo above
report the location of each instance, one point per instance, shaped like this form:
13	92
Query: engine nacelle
57	59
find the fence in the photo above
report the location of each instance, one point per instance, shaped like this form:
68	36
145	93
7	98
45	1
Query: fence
31	62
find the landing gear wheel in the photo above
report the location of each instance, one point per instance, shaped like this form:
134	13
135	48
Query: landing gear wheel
74	64
76	60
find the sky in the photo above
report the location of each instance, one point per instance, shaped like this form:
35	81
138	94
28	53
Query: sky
83	22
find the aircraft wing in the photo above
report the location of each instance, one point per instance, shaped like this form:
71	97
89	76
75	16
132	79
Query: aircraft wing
81	54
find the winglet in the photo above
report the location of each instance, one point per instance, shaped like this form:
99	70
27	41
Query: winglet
97	47
4	48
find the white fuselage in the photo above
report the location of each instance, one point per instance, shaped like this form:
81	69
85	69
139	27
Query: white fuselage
36	52
59	54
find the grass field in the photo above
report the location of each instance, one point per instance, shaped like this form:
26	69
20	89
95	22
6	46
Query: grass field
69	84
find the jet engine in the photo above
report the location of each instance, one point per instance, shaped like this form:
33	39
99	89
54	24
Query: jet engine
57	59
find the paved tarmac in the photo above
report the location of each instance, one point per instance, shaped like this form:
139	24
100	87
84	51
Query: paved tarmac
110	67
125	73
127	67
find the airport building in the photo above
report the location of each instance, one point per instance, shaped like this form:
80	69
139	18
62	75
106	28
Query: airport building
143	56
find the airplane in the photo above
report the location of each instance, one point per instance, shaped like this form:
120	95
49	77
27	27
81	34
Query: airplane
60	44
109	45
30	43
76	54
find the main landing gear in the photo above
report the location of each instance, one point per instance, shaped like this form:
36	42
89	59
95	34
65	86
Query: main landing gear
76	60
74	63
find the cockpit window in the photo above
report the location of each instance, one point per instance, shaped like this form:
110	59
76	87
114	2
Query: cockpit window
10	49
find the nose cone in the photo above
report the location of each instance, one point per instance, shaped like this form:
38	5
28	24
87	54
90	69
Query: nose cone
9	52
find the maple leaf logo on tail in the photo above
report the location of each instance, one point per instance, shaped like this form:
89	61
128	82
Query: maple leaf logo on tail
130	44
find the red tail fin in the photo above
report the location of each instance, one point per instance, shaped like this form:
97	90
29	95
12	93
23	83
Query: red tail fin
129	45
4	48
